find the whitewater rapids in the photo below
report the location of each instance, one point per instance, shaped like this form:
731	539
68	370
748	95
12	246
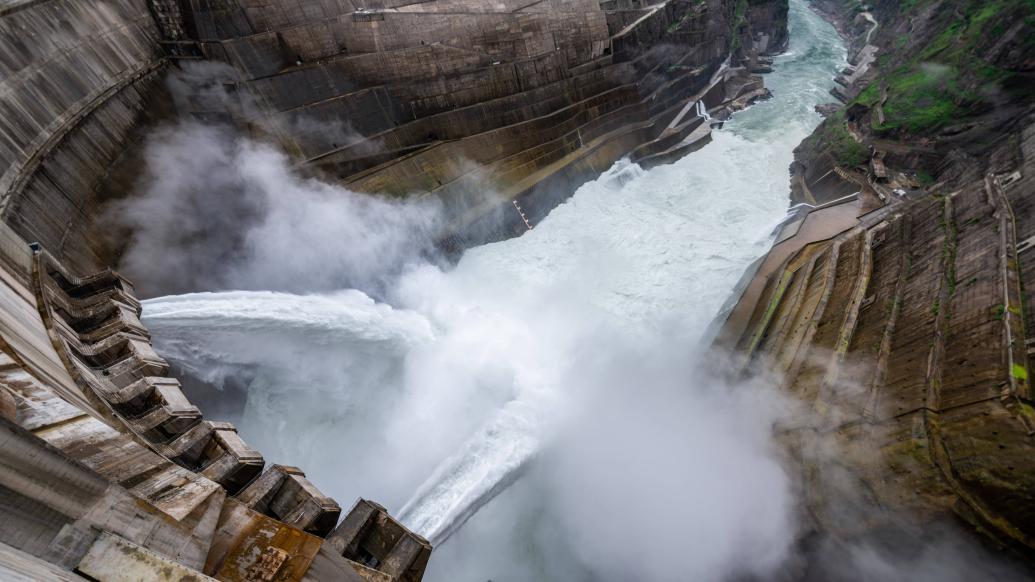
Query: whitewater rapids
435	399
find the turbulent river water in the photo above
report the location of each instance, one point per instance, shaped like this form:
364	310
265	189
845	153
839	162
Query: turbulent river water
543	401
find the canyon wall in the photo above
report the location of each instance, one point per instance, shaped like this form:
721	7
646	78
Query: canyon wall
521	100
456	99
897	302
108	470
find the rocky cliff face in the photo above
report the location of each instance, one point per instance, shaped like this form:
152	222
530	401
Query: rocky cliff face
941	90
900	312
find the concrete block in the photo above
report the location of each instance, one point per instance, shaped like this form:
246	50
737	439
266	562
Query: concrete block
114	559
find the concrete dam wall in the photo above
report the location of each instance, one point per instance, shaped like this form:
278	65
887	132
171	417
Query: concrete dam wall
109	471
74	79
525	94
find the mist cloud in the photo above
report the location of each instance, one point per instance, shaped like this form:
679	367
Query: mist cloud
212	90
219	211
660	467
666	478
381	374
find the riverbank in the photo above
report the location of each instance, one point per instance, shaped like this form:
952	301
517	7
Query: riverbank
895	330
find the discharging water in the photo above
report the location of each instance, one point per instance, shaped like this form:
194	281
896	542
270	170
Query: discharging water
451	394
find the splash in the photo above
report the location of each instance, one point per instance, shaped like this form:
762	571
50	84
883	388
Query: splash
437	398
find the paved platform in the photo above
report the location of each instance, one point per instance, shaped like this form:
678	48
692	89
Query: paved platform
820	224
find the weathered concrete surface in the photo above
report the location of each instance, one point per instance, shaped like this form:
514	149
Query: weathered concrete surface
348	87
101	441
902	333
113	559
508	97
74	78
107	466
906	333
17	566
818	225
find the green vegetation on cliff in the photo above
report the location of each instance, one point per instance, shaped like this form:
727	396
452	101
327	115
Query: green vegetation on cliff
739	17
843	147
923	97
935	80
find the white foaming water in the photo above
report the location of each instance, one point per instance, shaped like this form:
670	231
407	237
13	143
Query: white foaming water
435	401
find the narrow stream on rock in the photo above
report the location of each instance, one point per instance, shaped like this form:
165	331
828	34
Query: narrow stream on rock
542	401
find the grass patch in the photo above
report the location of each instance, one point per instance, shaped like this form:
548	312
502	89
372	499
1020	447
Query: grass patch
739	14
923	97
869	96
679	23
945	79
846	151
1019	372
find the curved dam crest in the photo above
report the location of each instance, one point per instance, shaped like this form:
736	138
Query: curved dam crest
440	394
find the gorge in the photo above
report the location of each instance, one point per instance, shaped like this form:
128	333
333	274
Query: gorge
484	364
524	274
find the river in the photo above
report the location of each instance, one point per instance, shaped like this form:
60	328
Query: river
543	401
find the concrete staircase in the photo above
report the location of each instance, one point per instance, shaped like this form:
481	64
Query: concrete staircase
110	472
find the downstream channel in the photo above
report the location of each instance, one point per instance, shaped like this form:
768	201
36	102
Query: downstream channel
542	404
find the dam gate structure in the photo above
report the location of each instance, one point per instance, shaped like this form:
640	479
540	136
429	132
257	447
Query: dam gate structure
109	471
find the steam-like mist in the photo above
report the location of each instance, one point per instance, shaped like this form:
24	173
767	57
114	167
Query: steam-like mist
548	402
562	356
557	363
219	211
660	481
